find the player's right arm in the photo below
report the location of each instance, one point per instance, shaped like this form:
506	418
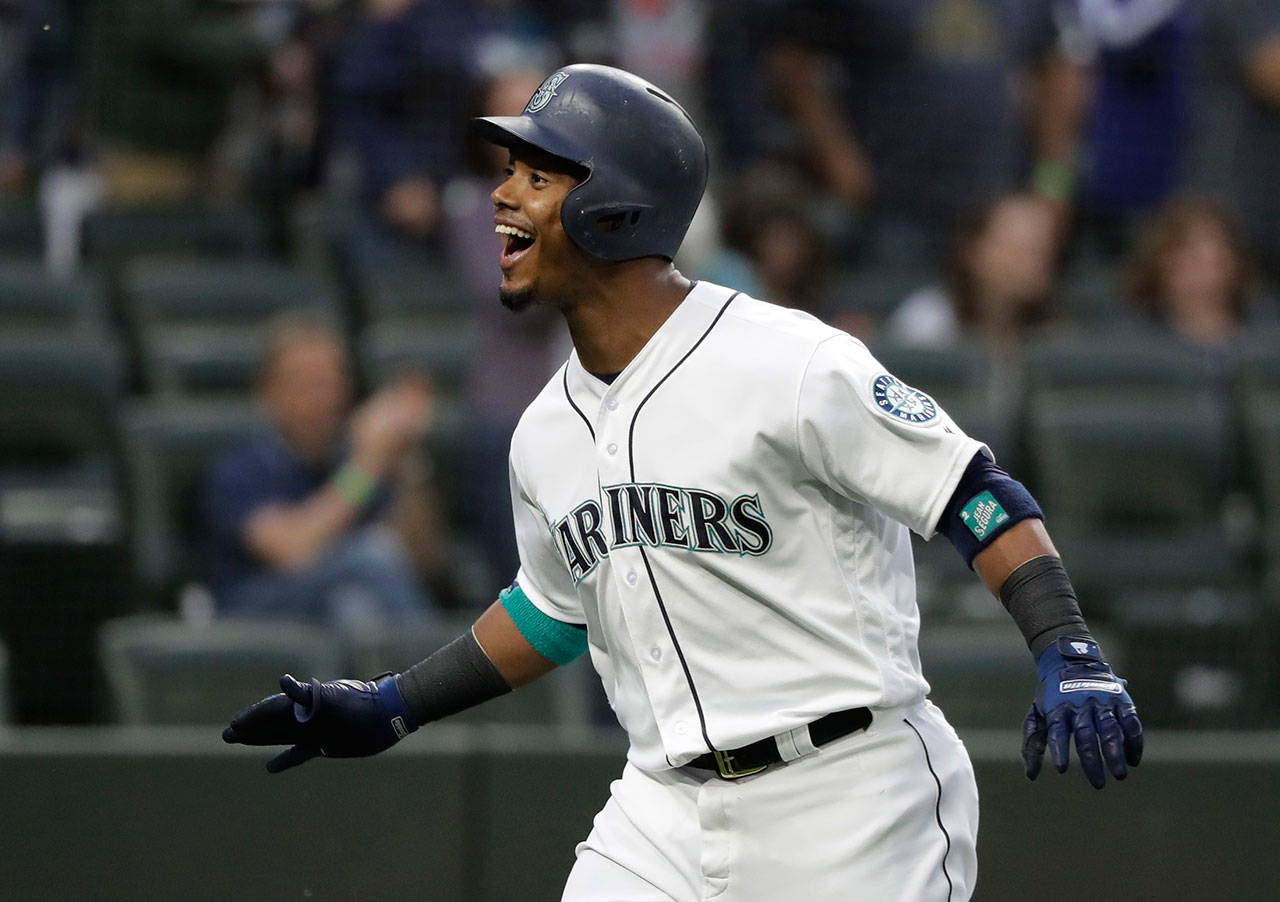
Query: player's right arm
508	646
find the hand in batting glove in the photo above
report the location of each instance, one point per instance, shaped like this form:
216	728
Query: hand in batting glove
1079	694
337	719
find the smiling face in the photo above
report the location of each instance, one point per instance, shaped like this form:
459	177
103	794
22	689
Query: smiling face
539	263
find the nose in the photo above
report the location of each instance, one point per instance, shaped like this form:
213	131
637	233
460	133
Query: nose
503	196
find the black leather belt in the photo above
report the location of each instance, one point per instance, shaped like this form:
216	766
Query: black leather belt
755	757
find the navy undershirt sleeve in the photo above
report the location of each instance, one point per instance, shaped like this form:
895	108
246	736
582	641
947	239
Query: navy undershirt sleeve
987	501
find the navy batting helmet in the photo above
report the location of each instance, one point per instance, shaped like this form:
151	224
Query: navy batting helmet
646	163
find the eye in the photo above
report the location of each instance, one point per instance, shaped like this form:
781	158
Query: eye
538	178
508	171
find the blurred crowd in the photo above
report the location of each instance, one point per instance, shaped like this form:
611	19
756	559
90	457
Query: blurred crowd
922	173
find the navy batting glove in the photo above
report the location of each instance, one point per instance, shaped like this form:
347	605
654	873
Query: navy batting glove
337	719
1080	695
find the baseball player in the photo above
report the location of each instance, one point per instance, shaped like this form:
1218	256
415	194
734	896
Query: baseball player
712	498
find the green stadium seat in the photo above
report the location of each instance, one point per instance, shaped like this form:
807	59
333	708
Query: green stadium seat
114	235
200	360
1200	658
160	670
169	444
1262	436
6	709
875	291
21	231
981	674
559	699
59	445
1133	488
1257	361
31	298
444	350
1091	291
425	292
198	322
229	292
1121	362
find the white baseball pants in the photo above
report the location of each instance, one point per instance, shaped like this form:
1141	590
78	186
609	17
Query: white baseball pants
890	813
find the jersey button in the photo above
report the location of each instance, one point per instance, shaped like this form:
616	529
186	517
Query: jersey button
612	404
655	653
632	577
682	728
613	448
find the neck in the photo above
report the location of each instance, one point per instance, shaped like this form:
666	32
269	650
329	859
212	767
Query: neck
624	305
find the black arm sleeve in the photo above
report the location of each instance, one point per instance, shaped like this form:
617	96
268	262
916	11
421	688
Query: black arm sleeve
457	677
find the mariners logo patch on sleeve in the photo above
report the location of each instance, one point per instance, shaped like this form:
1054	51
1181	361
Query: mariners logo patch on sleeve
900	400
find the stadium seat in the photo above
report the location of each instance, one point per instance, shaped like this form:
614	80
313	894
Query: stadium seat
1121	362
21	231
1200	658
114	235
875	291
160	670
31	298
200	360
1090	292
230	292
1133	488
427	292
1262	436
982	675
445	352
6	710
559	699
198	322
59	447
169	444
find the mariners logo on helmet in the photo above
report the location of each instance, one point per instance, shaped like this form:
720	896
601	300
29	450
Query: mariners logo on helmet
903	401
543	95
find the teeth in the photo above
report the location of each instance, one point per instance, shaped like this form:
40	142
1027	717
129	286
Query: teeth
512	230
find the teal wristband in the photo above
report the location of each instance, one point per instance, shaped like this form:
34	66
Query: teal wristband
354	484
555	640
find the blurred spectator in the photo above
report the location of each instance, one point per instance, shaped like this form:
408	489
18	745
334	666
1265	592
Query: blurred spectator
37	125
1189	274
1138	55
999	281
517	354
1237	119
911	110
662	41
767	219
393	81
327	517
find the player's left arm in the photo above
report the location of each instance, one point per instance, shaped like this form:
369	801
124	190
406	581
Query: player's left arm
998	528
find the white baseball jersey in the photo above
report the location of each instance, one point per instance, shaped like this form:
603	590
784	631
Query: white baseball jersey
729	520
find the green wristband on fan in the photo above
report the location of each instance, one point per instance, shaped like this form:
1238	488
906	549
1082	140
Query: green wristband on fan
354	484
1054	180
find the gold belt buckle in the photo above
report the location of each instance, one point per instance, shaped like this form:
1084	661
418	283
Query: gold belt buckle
724	764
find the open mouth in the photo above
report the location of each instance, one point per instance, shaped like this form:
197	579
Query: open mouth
516	243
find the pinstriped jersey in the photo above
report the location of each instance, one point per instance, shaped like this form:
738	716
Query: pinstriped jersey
729	520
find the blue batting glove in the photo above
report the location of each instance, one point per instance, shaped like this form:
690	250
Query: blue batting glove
337	719
1080	695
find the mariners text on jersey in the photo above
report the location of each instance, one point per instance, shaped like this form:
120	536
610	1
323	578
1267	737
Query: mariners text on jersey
660	515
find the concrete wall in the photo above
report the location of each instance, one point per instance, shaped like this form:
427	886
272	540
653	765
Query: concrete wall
484	814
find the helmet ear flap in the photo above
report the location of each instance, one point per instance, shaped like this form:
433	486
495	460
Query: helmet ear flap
609	231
